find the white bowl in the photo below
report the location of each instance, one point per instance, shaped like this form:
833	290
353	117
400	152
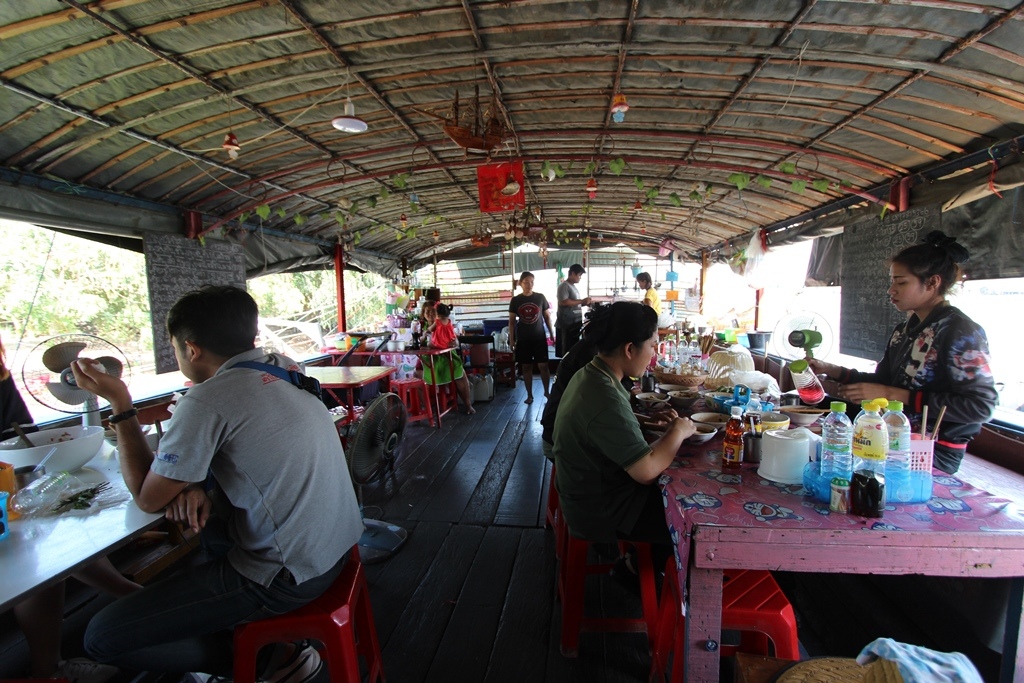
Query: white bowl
652	399
703	434
716	420
75	446
667	388
802	416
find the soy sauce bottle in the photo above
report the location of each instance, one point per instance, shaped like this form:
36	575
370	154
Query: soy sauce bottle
732	449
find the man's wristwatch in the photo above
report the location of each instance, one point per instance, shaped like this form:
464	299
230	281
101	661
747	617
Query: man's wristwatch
121	417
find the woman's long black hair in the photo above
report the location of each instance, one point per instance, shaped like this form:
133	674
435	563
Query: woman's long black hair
620	323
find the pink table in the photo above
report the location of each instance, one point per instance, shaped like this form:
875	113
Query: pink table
735	519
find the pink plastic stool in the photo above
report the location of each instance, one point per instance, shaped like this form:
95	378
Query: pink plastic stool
341	619
413	393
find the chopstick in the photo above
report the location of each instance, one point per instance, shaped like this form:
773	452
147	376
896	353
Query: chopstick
21	434
924	422
938	421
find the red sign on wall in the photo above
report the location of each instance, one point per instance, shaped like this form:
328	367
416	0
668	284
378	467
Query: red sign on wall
496	183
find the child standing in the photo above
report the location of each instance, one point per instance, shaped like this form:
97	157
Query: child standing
442	336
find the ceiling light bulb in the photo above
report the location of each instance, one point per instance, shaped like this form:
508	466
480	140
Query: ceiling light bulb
349	123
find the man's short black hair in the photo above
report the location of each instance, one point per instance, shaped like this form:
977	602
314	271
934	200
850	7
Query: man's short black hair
577	268
218	318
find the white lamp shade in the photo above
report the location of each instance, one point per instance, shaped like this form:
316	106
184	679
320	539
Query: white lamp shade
349	123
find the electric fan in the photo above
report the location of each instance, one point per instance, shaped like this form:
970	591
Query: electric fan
801	335
371	452
49	380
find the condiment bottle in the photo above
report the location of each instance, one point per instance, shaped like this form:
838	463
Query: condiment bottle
870	442
732	449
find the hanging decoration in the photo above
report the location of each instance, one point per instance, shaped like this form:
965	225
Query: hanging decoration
501	186
474	129
619	108
404	220
231	145
592	188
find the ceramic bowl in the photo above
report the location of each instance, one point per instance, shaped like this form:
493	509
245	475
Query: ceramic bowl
683	400
667	388
75	446
703	434
802	416
773	421
716	420
652	399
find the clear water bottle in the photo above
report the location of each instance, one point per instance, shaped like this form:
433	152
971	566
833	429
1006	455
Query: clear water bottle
837	444
694	348
897	457
870	443
43	493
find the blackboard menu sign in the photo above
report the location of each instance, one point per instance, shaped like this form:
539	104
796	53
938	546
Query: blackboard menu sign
176	265
866	316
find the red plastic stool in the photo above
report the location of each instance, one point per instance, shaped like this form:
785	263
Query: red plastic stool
553	515
328	619
752	603
413	393
572	574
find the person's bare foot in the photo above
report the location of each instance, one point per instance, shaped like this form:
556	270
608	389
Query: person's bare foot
529	399
470	410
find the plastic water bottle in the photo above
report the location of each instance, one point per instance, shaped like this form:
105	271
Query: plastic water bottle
870	443
43	493
837	444
897	457
694	348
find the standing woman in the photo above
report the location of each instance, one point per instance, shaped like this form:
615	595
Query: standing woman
650	293
938	357
528	314
606	470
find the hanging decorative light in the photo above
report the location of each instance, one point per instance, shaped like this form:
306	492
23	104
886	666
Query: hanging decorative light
619	108
592	188
349	123
638	206
404	220
436	235
231	145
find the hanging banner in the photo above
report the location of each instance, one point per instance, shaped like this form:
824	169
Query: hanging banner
501	186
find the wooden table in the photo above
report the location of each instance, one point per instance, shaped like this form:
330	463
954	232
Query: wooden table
349	378
735	519
447	392
42	551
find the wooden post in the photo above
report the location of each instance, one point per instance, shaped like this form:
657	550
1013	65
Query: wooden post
757	308
339	280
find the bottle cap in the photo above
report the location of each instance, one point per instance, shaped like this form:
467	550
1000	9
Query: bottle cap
896	406
838	406
798	365
737	411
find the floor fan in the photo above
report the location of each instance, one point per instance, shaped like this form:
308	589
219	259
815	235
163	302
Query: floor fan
371	452
49	380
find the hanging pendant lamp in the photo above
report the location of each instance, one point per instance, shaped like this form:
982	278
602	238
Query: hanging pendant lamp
349	123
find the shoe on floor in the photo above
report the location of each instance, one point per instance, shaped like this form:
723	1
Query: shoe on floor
303	666
82	670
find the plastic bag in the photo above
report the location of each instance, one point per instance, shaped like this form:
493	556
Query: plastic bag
755	252
758	382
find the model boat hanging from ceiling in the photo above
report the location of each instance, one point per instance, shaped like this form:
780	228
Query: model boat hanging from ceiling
472	128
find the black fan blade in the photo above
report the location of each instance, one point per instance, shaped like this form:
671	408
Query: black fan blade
58	357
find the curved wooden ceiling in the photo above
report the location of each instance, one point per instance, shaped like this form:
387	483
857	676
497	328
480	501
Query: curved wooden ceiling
803	104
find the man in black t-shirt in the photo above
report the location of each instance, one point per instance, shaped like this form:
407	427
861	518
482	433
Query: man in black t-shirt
528	314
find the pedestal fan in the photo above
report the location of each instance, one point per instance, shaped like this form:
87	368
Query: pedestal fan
49	380
370	453
802	335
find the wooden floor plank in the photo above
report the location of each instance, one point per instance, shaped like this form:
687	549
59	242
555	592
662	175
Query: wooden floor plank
483	505
393	583
465	650
411	648
456	487
521	499
520	649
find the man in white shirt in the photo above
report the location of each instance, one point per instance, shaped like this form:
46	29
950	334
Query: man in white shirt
569	320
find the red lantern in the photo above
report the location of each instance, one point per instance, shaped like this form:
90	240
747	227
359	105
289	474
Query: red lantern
404	220
638	206
592	189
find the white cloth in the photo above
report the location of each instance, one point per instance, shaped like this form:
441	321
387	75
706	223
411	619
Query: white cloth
919	664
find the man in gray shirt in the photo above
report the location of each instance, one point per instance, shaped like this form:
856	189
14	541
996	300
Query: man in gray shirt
569	320
251	442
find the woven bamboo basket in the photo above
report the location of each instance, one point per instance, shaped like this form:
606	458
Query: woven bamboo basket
685	380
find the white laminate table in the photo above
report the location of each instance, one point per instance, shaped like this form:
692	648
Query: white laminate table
42	551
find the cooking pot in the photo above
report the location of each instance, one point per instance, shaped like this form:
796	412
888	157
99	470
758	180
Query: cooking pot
784	452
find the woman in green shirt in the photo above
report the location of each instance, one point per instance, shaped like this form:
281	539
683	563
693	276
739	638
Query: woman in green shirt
606	470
